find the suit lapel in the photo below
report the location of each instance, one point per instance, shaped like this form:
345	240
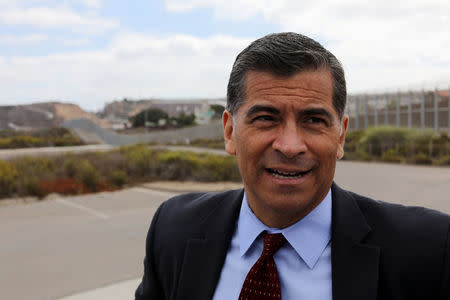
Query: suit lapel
354	264
205	254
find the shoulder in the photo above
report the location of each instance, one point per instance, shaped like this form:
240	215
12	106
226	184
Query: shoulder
395	224
187	213
198	204
393	216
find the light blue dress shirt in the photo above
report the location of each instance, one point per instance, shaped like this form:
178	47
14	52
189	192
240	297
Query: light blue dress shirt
303	263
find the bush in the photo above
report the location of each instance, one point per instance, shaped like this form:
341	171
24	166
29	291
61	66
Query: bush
217	168
177	165
151	115
31	171
63	186
82	170
118	178
390	156
93	172
88	175
209	143
139	159
8	176
422	159
39	138
378	140
396	144
444	161
21	142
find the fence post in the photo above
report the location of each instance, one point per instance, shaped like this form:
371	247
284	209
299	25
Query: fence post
366	110
436	111
376	111
422	111
386	111
448	111
397	110
410	109
356	112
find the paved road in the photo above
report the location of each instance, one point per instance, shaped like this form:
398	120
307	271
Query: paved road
404	184
60	247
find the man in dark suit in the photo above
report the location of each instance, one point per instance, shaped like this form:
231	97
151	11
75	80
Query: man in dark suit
285	124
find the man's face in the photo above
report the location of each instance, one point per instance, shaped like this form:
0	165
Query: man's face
286	137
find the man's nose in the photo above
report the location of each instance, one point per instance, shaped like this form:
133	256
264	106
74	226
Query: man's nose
290	140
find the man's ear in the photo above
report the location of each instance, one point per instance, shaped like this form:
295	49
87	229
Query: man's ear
228	132
344	125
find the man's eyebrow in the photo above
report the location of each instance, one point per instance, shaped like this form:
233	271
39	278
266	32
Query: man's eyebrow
317	111
261	108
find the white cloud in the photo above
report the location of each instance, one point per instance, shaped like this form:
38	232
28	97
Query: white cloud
54	17
74	42
381	43
134	65
90	3
10	39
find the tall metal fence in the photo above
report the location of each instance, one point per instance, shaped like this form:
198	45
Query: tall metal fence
419	109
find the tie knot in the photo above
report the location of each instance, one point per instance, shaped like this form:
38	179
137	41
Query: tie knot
272	242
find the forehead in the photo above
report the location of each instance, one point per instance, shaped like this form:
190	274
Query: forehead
306	87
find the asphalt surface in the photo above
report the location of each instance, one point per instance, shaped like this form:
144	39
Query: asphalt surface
59	247
91	247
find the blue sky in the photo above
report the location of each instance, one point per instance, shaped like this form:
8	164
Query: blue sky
90	52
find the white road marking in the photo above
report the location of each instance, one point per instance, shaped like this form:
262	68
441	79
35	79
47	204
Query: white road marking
153	192
84	208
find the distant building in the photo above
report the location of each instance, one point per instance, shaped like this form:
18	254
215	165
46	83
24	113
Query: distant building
119	111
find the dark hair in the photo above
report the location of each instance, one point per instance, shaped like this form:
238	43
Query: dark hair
284	54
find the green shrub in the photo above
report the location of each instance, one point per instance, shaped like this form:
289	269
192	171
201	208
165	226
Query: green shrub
209	143
444	161
422	159
139	159
118	178
177	165
82	170
406	143
38	138
21	142
8	176
352	140
88	175
377	140
70	166
359	155
66	141
217	168
39	166
31	171
390	156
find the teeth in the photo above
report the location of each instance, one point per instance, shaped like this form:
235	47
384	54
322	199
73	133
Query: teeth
285	175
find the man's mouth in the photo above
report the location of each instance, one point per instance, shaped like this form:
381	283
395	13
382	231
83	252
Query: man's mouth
286	175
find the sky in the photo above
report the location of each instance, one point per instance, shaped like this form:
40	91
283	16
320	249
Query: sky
91	52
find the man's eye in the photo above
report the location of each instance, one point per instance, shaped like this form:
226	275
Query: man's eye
263	118
316	120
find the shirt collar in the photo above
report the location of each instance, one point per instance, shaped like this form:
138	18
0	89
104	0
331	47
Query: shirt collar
309	236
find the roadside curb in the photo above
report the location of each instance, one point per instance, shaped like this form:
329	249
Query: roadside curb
117	291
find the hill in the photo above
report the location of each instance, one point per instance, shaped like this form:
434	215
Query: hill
43	116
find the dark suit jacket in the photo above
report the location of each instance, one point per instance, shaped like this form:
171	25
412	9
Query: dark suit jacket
379	250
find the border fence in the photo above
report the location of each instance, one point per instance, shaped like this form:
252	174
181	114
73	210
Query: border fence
412	109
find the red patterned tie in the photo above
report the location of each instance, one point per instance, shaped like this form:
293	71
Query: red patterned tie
262	282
